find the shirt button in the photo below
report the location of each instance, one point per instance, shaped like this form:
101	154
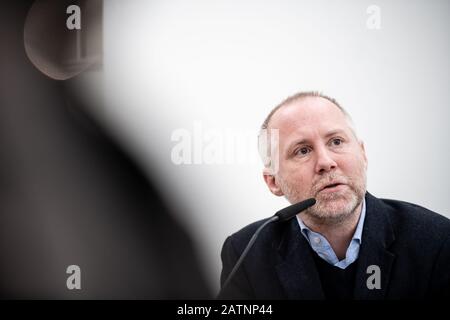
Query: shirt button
317	240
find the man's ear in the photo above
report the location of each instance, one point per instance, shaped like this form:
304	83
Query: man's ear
363	149
272	182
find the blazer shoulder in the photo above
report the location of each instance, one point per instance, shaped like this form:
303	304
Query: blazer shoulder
416	218
241	238
247	232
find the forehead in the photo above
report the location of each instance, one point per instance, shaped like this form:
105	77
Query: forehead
309	114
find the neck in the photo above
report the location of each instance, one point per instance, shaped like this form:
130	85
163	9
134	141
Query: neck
339	234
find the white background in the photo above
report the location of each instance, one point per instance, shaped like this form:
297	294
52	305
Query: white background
225	64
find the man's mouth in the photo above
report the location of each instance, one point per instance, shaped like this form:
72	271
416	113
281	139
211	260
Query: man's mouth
332	187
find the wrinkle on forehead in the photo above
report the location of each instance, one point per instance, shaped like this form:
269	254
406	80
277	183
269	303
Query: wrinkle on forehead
309	114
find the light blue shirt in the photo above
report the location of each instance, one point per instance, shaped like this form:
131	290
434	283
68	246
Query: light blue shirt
322	247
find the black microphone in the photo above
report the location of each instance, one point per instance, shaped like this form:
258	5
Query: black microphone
281	216
289	212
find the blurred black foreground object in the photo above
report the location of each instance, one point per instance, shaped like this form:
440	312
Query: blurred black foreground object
69	195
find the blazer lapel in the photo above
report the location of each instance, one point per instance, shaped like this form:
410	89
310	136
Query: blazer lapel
296	270
377	236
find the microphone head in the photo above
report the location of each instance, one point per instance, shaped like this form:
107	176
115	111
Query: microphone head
291	211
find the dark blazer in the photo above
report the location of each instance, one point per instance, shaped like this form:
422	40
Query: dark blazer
409	243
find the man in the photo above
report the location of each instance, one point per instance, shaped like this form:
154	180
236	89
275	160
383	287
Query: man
350	244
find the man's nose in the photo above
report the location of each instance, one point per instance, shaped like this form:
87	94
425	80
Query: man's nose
325	161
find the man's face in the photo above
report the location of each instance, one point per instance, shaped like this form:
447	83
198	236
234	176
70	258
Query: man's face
319	157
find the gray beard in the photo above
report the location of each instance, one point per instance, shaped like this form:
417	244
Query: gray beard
325	214
321	214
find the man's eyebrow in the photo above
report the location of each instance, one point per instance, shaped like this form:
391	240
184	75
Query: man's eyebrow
297	142
334	132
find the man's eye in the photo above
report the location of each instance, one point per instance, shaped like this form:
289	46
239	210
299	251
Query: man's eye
336	141
302	151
